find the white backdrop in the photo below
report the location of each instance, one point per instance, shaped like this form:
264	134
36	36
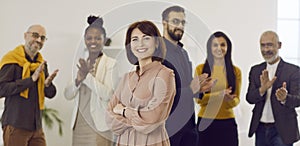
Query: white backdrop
65	21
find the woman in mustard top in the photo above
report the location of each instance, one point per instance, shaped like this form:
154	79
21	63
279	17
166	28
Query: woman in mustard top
216	120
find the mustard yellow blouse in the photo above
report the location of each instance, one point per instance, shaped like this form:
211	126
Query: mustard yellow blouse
213	105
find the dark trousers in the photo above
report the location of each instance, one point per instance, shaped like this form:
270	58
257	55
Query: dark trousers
19	137
185	137
267	135
218	132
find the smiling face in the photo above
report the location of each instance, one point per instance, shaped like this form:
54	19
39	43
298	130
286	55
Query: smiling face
219	48
174	26
142	45
34	39
269	46
94	40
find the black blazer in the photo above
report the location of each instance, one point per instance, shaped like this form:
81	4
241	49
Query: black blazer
284	114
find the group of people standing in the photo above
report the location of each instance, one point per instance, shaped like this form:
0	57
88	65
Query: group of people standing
152	105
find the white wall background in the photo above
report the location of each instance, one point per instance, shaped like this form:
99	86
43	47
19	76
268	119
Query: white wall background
65	21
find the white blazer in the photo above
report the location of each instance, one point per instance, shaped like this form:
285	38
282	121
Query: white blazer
102	90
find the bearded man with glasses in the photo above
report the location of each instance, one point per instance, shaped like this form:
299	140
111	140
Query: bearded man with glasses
180	125
25	82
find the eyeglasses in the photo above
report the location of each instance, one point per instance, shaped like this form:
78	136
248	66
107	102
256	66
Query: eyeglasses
266	45
176	21
37	35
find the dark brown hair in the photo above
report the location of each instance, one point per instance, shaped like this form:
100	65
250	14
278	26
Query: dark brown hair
148	28
165	13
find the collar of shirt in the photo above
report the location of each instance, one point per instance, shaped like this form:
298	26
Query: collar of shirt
146	68
29	59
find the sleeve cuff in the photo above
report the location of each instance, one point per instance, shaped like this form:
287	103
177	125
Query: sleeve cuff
199	95
283	102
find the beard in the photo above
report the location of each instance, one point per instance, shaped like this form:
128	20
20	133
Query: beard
34	46
175	37
272	59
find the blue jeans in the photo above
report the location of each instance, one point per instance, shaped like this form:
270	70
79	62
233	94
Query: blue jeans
267	135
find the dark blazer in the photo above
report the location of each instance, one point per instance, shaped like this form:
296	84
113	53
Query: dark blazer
284	114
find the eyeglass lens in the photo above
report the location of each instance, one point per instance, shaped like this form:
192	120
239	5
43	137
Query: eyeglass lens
37	35
177	21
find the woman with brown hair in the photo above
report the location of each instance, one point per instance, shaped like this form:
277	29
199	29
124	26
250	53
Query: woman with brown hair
141	104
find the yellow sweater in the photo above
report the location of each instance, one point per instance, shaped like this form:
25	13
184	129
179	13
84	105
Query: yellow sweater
18	56
213	105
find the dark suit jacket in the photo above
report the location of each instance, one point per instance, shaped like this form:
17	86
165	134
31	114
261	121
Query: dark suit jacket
284	114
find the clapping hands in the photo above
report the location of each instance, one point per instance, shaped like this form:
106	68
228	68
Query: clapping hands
202	83
281	93
227	94
40	69
83	69
265	82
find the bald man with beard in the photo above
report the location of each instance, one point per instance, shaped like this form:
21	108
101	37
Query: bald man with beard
25	82
274	90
